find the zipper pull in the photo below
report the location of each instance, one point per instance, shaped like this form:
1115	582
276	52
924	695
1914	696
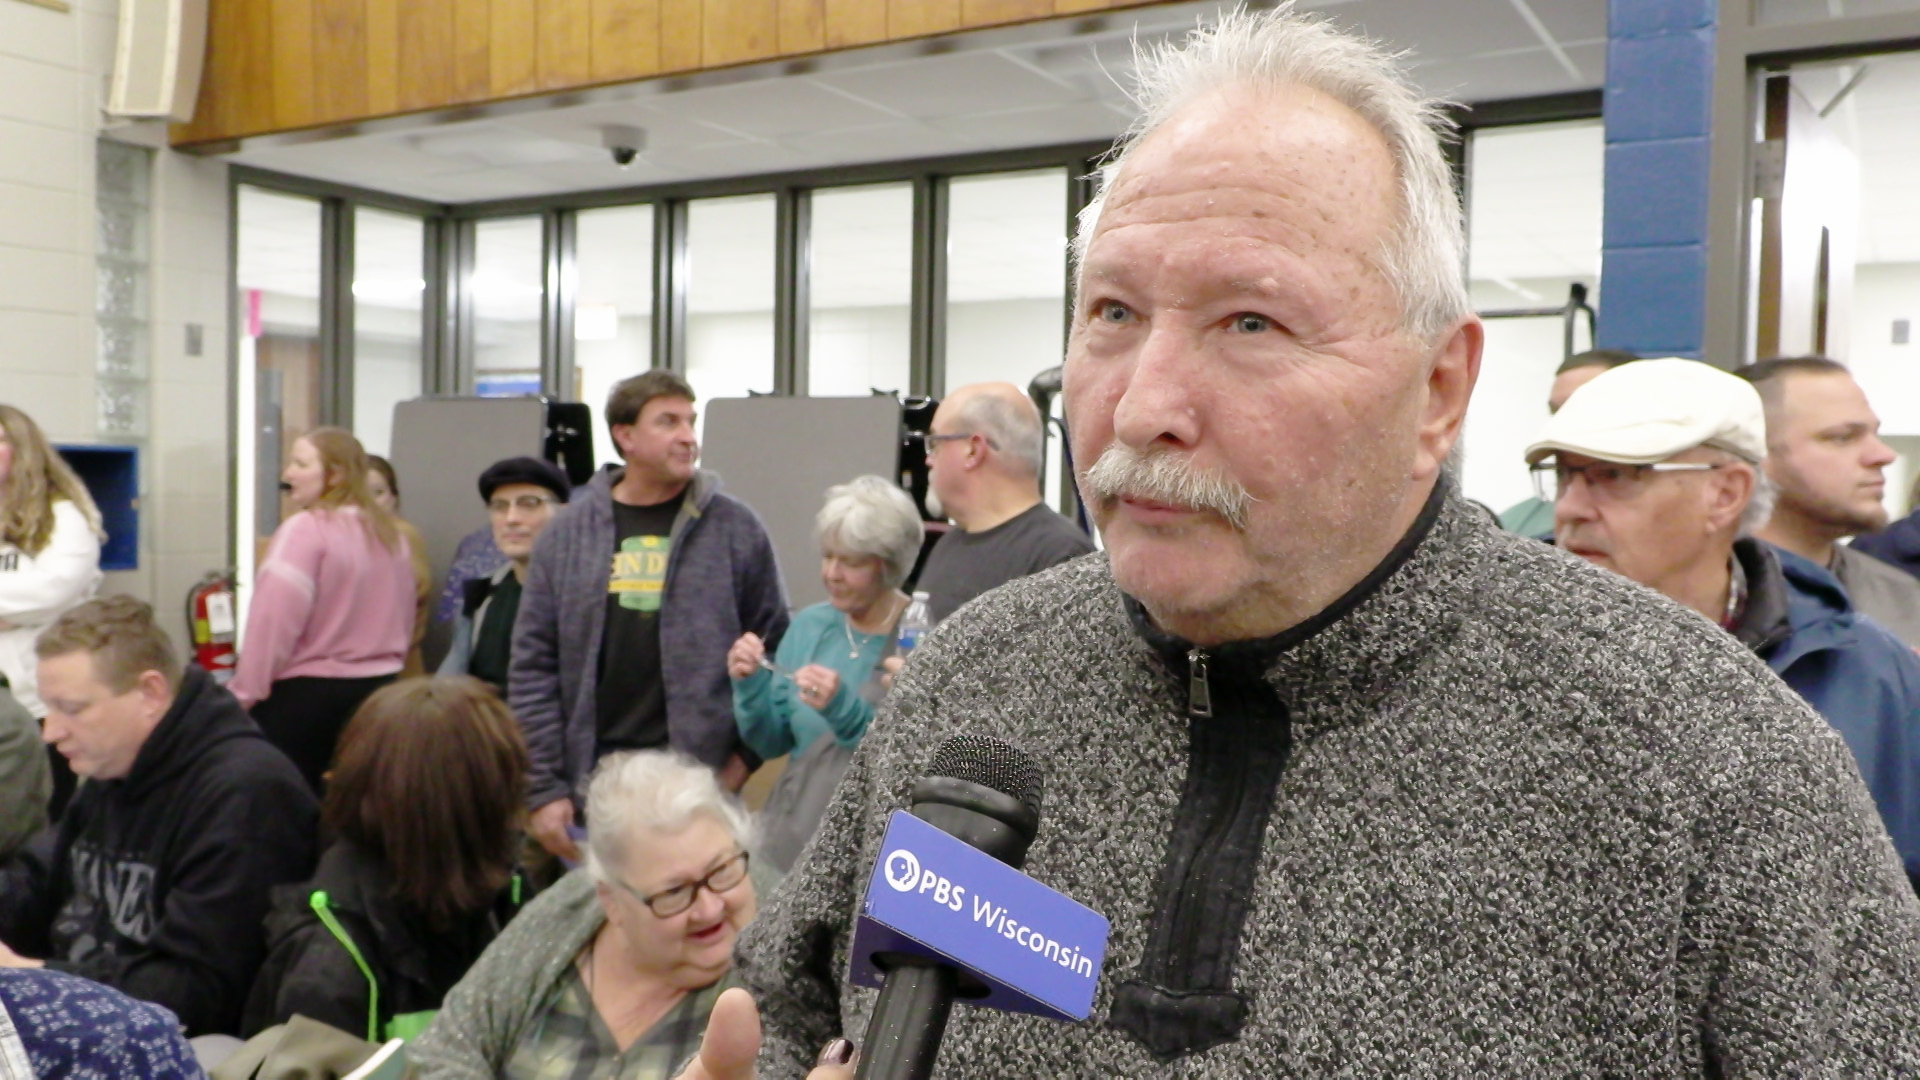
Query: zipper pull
1199	695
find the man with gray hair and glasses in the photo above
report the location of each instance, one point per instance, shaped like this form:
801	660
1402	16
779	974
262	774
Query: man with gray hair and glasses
1655	471
1365	785
984	468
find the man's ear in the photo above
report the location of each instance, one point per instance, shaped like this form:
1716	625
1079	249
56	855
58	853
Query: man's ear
1730	490
155	693
1450	379
622	434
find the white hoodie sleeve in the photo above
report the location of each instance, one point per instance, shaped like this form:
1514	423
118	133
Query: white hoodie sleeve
36	589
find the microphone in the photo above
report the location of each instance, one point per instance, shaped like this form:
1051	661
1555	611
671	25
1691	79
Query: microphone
985	793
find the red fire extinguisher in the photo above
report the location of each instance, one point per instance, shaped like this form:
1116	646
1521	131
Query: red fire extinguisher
210	615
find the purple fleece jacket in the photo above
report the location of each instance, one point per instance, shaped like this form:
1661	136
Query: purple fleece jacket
722	581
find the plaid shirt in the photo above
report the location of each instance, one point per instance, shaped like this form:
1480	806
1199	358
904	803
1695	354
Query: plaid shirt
572	1042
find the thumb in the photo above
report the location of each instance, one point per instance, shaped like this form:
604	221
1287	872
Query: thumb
733	1037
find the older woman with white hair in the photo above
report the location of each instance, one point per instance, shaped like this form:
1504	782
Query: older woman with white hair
817	695
614	970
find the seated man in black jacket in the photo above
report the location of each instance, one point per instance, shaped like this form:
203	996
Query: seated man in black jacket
158	879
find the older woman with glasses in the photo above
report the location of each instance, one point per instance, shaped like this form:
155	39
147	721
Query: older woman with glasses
613	971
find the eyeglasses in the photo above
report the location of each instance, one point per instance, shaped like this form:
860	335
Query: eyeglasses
935	440
670	902
523	502
1606	479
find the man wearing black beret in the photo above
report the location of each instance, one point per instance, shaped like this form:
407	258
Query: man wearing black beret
521	494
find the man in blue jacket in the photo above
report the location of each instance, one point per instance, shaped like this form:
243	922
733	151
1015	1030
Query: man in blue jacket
1654	472
635	592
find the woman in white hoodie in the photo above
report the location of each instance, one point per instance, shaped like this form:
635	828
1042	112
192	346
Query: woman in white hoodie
49	546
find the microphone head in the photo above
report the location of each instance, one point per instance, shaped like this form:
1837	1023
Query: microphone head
991	763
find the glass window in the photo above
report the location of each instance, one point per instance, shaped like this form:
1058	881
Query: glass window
730	260
1006	284
389	282
506	290
1805	11
861	290
613	308
1534	230
278	392
1851	182
1006	276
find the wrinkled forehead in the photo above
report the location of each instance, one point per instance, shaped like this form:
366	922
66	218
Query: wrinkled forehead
1287	162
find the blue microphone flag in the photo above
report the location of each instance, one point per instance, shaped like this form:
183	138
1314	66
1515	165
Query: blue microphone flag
931	895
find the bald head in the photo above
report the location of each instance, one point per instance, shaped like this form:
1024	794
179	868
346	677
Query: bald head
1005	416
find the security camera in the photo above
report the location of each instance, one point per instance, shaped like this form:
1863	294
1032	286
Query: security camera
623	142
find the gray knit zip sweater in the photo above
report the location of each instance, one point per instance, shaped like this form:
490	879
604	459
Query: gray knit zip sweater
1535	821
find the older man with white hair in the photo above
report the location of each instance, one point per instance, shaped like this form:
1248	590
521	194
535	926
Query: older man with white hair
1364	785
1655	471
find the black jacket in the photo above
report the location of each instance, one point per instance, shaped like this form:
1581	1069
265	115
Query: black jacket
309	972
157	882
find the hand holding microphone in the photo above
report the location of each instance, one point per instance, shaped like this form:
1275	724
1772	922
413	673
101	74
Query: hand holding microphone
947	914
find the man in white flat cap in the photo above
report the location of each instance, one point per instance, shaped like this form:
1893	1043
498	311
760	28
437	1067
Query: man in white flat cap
1655	472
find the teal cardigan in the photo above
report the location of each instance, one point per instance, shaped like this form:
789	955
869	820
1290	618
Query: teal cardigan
767	707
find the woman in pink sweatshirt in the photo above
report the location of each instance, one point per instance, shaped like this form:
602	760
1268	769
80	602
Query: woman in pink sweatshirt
333	604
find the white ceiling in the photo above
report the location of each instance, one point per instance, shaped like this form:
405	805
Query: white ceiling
1033	85
1535	210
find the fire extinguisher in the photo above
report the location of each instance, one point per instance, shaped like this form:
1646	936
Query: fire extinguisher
210	615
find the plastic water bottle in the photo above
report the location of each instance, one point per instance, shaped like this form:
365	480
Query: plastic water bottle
914	624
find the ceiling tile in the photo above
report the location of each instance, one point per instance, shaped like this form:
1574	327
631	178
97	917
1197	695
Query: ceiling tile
1439	31
1572	20
952	85
1039	127
800	106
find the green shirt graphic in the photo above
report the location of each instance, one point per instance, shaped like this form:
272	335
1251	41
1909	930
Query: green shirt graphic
639	573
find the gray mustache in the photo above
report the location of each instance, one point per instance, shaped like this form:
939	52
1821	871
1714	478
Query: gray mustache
1165	477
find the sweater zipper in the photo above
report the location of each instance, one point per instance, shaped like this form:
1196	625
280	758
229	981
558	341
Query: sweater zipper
1199	694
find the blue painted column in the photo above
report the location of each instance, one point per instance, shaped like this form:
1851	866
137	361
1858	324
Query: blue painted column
1659	119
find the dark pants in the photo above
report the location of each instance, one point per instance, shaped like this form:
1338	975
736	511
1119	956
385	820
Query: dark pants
304	717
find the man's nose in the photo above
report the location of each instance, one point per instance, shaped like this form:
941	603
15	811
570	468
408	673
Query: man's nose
1573	499
1158	402
1879	454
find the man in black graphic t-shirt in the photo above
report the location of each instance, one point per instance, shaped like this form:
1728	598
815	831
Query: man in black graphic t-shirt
633	696
635	592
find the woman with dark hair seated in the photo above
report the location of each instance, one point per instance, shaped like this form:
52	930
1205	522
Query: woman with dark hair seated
425	807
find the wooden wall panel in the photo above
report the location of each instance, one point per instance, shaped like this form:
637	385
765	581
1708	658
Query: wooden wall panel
998	12
566	44
293	72
626	39
340	60
472	75
680	34
383	57
513	54
918	18
855	22
426	52
739	31
278	65
803	27
239	55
